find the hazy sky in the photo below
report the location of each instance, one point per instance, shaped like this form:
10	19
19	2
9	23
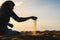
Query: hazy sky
47	11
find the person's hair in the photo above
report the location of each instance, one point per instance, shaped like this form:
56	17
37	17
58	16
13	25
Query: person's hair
7	4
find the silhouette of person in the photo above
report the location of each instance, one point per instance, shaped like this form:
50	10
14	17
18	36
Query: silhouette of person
7	12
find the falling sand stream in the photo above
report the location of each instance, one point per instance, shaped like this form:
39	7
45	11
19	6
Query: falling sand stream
34	27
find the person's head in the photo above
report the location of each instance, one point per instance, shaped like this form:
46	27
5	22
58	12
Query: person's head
8	4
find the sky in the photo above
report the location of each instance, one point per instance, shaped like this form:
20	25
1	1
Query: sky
47	11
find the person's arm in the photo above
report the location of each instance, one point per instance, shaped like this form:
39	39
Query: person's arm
19	19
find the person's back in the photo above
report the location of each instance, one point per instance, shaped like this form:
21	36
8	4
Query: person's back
3	21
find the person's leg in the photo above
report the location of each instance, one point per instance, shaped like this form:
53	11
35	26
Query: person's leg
11	32
3	28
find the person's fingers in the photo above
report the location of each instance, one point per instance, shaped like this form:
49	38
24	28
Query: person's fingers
34	18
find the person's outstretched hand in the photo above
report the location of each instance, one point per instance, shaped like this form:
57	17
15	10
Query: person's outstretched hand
33	17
